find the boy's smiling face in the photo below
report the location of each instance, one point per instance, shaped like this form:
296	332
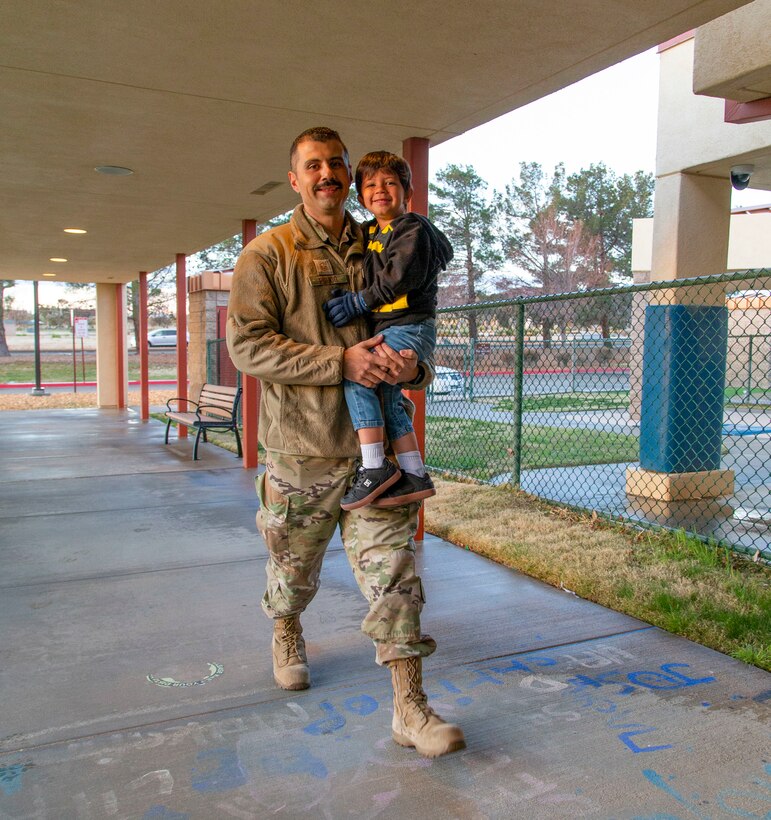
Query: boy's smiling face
383	196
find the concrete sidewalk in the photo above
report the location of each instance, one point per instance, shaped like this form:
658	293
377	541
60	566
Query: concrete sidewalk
136	673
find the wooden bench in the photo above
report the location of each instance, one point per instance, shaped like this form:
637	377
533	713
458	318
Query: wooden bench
216	409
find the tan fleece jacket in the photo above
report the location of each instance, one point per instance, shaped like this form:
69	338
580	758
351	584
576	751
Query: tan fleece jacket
277	331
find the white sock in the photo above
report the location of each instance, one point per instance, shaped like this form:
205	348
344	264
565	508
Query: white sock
372	455
411	462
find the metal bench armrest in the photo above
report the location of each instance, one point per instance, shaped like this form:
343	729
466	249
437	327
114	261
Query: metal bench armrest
178	399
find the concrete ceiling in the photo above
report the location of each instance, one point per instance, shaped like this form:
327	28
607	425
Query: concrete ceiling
202	99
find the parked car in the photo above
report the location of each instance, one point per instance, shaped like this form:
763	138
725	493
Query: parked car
163	337
447	381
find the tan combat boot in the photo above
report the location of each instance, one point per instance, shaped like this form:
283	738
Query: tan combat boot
290	664
415	723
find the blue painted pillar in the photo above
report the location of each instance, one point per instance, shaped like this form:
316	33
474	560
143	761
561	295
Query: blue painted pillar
683	387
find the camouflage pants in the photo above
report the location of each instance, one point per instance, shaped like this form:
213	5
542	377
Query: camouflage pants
299	511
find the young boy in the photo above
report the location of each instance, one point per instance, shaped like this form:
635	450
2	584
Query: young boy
405	253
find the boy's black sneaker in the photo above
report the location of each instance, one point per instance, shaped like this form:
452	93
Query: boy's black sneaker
369	484
407	489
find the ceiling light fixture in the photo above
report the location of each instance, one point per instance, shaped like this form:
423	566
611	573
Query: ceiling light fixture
57	259
74	230
266	188
113	170
49	274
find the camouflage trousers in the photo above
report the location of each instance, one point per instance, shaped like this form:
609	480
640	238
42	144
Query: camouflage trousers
299	511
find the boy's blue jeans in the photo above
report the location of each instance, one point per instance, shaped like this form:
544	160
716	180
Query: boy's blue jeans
364	402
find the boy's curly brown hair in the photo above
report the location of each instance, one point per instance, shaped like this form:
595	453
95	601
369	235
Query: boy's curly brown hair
375	161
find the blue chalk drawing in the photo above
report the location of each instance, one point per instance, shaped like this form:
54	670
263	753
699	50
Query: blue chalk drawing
294	761
626	739
163	813
657	780
11	777
361	704
223	773
326	725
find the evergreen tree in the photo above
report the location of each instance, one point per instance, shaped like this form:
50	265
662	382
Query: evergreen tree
607	204
461	210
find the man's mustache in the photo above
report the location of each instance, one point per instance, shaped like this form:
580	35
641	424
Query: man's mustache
326	183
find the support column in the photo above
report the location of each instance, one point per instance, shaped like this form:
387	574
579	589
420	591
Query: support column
111	353
181	284
250	397
415	151
685	343
142	350
121	348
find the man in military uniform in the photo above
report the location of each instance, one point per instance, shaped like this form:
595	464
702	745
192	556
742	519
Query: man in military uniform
277	331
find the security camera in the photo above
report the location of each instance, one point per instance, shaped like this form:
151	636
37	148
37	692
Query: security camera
740	176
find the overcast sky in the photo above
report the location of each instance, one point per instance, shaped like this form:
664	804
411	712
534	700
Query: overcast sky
609	117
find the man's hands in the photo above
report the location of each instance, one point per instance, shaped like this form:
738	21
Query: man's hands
402	366
344	307
369	363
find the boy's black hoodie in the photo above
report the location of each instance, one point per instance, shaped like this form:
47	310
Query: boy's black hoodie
401	267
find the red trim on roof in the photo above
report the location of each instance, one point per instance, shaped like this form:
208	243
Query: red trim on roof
675	41
739	113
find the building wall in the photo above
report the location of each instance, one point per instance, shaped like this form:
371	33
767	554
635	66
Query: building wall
692	132
206	292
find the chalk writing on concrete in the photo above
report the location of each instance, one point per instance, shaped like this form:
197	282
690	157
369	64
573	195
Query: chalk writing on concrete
750	801
584	694
11	777
215	670
220	771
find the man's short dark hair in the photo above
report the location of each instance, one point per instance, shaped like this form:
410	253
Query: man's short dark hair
318	134
376	161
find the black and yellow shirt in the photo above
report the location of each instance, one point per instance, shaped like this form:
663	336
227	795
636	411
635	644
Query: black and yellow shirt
401	267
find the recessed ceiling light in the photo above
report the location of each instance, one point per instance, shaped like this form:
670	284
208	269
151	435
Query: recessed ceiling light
49	274
74	230
266	188
57	259
113	170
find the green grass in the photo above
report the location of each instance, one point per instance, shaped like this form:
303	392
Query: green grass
565	402
23	370
608	400
674	580
482	449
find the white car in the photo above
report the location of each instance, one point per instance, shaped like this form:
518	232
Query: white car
163	337
447	381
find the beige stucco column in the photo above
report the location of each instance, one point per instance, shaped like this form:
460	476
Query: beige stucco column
690	239
691	222
111	348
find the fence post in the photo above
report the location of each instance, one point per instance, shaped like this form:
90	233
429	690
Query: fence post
472	367
749	370
573	366
519	366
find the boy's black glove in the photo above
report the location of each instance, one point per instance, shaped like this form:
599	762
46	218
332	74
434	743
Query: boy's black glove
344	307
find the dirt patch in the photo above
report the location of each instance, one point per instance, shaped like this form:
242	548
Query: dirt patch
66	401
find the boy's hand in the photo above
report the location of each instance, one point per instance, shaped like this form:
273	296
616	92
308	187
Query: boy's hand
344	307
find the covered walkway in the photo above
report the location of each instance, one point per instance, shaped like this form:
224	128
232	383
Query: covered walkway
136	676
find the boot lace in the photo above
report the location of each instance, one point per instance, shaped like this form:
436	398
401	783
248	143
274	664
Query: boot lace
288	639
415	693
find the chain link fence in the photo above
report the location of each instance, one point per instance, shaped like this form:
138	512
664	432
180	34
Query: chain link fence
651	402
